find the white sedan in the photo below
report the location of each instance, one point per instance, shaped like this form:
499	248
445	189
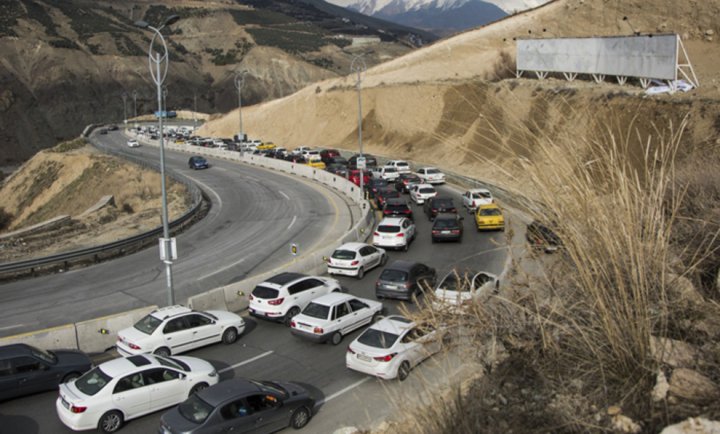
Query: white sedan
394	233
431	175
461	288
354	259
175	329
475	197
419	193
332	316
125	388
391	347
132	143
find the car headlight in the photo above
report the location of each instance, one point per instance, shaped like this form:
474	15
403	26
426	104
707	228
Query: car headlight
213	373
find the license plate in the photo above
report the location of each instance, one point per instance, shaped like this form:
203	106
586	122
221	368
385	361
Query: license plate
364	358
445	232
65	403
391	286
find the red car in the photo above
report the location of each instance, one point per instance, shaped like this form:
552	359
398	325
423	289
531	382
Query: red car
327	154
354	176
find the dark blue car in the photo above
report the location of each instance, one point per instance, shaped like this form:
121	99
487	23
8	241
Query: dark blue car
197	162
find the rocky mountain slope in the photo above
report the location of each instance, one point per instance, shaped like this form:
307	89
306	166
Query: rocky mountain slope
65	63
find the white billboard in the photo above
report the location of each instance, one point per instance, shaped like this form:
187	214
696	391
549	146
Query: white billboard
644	56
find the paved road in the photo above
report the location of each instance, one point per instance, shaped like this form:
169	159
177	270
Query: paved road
255	216
269	351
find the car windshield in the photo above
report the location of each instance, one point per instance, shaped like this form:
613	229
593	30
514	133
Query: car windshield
148	324
195	409
391	275
489	211
200	160
390	229
46	356
432	171
445	224
378	339
316	310
265	292
427	190
92	381
343	254
454	282
173	363
443	203
481	195
271	387
390	169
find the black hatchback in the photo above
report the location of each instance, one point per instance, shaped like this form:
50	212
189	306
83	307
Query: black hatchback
197	162
397	207
25	369
447	227
437	205
242	406
403	279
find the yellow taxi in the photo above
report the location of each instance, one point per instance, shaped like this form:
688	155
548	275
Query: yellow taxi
266	145
318	164
489	217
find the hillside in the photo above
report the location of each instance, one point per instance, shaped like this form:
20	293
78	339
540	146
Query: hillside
66	63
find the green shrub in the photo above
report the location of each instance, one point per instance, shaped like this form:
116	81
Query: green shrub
10	11
69	145
38	13
64	43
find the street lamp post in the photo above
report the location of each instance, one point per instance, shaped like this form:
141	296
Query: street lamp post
160	59
135	103
358	66
195	109
124	98
239	83
164	100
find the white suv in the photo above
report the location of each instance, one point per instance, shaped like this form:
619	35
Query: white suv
402	166
475	197
175	329
283	296
394	233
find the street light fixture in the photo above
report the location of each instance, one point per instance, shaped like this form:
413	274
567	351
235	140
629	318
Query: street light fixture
358	66
160	58
239	83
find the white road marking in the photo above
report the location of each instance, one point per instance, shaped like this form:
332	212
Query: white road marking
284	195
291	223
237	365
345	390
220	270
207	187
12	326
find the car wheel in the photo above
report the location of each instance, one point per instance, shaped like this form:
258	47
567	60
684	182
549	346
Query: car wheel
336	338
300	418
230	336
403	370
196	388
291	313
360	273
70	377
162	351
110	422
405	247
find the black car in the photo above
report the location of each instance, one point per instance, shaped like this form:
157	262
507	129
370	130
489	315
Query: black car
447	227
405	180
337	169
113	128
374	185
336	160
103	131
403	279
385	193
370	161
25	369
436	205
197	162
397	207
541	237
241	406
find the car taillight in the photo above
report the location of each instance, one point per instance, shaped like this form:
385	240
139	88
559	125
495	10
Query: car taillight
350	350
133	346
434	210
76	409
400	235
376	234
435	232
455	231
292	323
318	330
386	358
353	263
387	211
408	211
276	302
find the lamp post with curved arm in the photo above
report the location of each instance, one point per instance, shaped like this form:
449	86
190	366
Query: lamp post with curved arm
158	60
239	83
358	66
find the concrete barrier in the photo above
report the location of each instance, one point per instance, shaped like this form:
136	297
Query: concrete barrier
100	334
210	300
55	338
53	223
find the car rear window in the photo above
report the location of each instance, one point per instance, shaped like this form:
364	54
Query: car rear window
397	206
316	310
389	229
443	203
432	171
378	339
482	195
489	211
265	292
343	254
148	324
454	282
445	224
426	190
390	169
391	275
92	381
195	409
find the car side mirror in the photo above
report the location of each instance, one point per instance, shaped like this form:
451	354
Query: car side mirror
182	376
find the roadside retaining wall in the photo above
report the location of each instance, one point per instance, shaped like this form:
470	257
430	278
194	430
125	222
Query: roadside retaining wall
56	337
100	334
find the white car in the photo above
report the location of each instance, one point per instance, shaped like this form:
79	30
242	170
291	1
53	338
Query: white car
431	175
354	259
394	233
299	150
475	197
175	329
311	155
284	295
419	193
332	316
391	347
460	288
132	143
387	173
125	388
402	166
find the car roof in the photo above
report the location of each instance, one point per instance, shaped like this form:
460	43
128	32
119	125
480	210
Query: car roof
446	216
396	201
401	265
479	190
352	246
14	350
227	390
124	365
424	186
428	167
395	324
169	311
284	278
332	298
391	221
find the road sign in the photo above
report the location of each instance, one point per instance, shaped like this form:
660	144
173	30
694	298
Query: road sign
293	249
361	163
168	249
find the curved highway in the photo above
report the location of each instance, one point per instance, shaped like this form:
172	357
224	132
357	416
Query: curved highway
268	350
254	217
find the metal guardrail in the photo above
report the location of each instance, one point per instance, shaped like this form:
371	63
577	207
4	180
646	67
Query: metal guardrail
115	248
